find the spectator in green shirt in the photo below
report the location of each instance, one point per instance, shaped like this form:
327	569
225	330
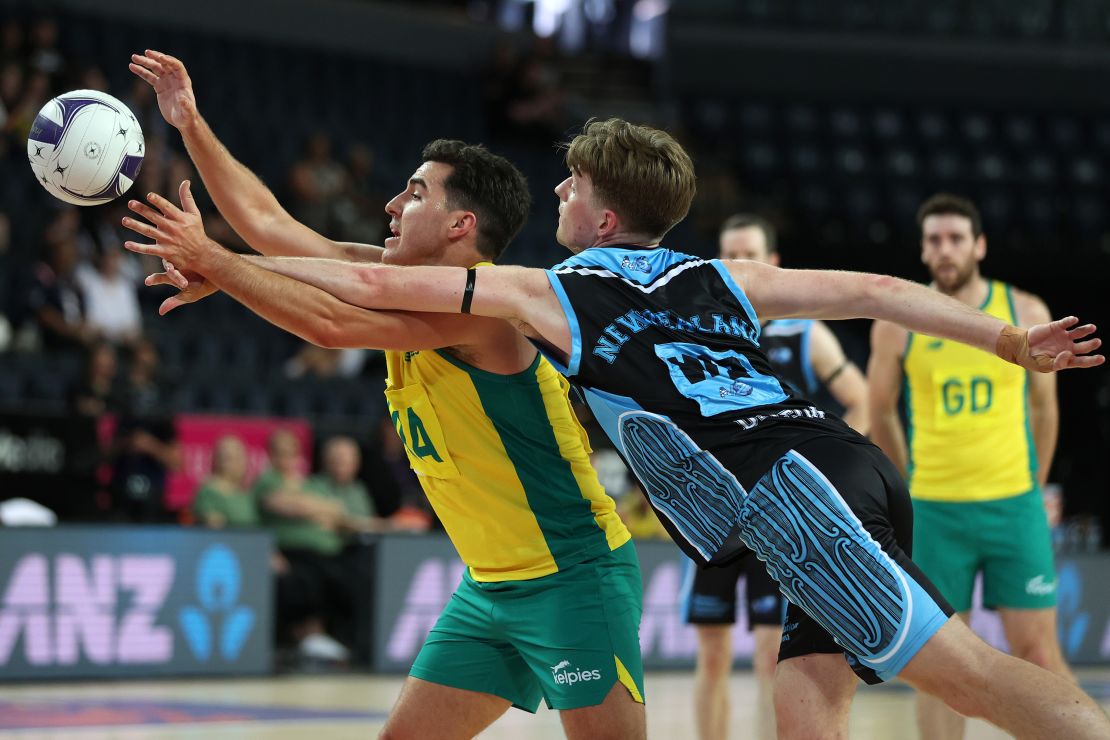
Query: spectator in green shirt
224	500
339	482
316	594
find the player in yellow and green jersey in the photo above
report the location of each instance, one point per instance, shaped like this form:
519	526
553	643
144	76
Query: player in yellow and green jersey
549	606
979	439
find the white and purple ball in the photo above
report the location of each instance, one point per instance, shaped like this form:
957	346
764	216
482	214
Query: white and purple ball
85	147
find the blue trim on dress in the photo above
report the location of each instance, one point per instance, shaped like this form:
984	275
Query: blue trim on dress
572	323
740	296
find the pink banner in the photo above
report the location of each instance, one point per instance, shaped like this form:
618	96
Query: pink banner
197	434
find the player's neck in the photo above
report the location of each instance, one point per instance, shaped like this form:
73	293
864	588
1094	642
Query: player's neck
458	255
632	241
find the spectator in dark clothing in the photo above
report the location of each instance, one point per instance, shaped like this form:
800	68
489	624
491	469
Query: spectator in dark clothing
315	181
44	55
95	393
360	209
11	41
397	490
145	449
55	300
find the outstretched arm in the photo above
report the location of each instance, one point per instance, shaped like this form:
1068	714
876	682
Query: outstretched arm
827	294
247	204
521	295
305	310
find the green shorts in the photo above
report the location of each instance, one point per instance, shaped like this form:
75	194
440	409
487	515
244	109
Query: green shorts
566	638
1005	539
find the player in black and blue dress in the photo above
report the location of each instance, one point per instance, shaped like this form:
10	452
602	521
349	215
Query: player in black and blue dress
807	357
668	348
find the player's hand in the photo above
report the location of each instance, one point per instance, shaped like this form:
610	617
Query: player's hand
178	233
171	82
1057	345
191	286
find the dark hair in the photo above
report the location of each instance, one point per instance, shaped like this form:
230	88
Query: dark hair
640	172
489	186
946	204
751	221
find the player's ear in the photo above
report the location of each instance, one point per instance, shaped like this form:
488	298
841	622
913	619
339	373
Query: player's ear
981	247
462	223
774	259
609	223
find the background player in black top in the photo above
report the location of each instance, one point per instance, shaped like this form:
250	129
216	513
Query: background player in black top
804	352
807	355
667	346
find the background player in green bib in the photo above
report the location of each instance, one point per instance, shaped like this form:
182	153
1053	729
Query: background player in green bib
978	445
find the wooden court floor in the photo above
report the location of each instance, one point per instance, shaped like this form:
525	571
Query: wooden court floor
324	707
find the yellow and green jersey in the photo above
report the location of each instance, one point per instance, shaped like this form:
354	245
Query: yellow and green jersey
504	463
967	412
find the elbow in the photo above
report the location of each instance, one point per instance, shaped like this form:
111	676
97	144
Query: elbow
326	333
371	286
876	288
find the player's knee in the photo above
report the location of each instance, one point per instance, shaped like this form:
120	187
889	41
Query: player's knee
715	664
714	652
964	687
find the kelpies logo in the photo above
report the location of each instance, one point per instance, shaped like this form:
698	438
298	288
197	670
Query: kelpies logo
562	675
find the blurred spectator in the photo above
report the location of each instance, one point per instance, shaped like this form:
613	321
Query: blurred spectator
497	83
340	482
92	78
396	487
145	447
320	362
315	182
11	90
11	41
55	301
44	55
224	499
36	91
145	390
95	393
317	590
523	96
5	280
111	297
360	209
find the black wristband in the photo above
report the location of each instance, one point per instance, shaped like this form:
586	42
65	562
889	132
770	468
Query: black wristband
468	291
832	376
